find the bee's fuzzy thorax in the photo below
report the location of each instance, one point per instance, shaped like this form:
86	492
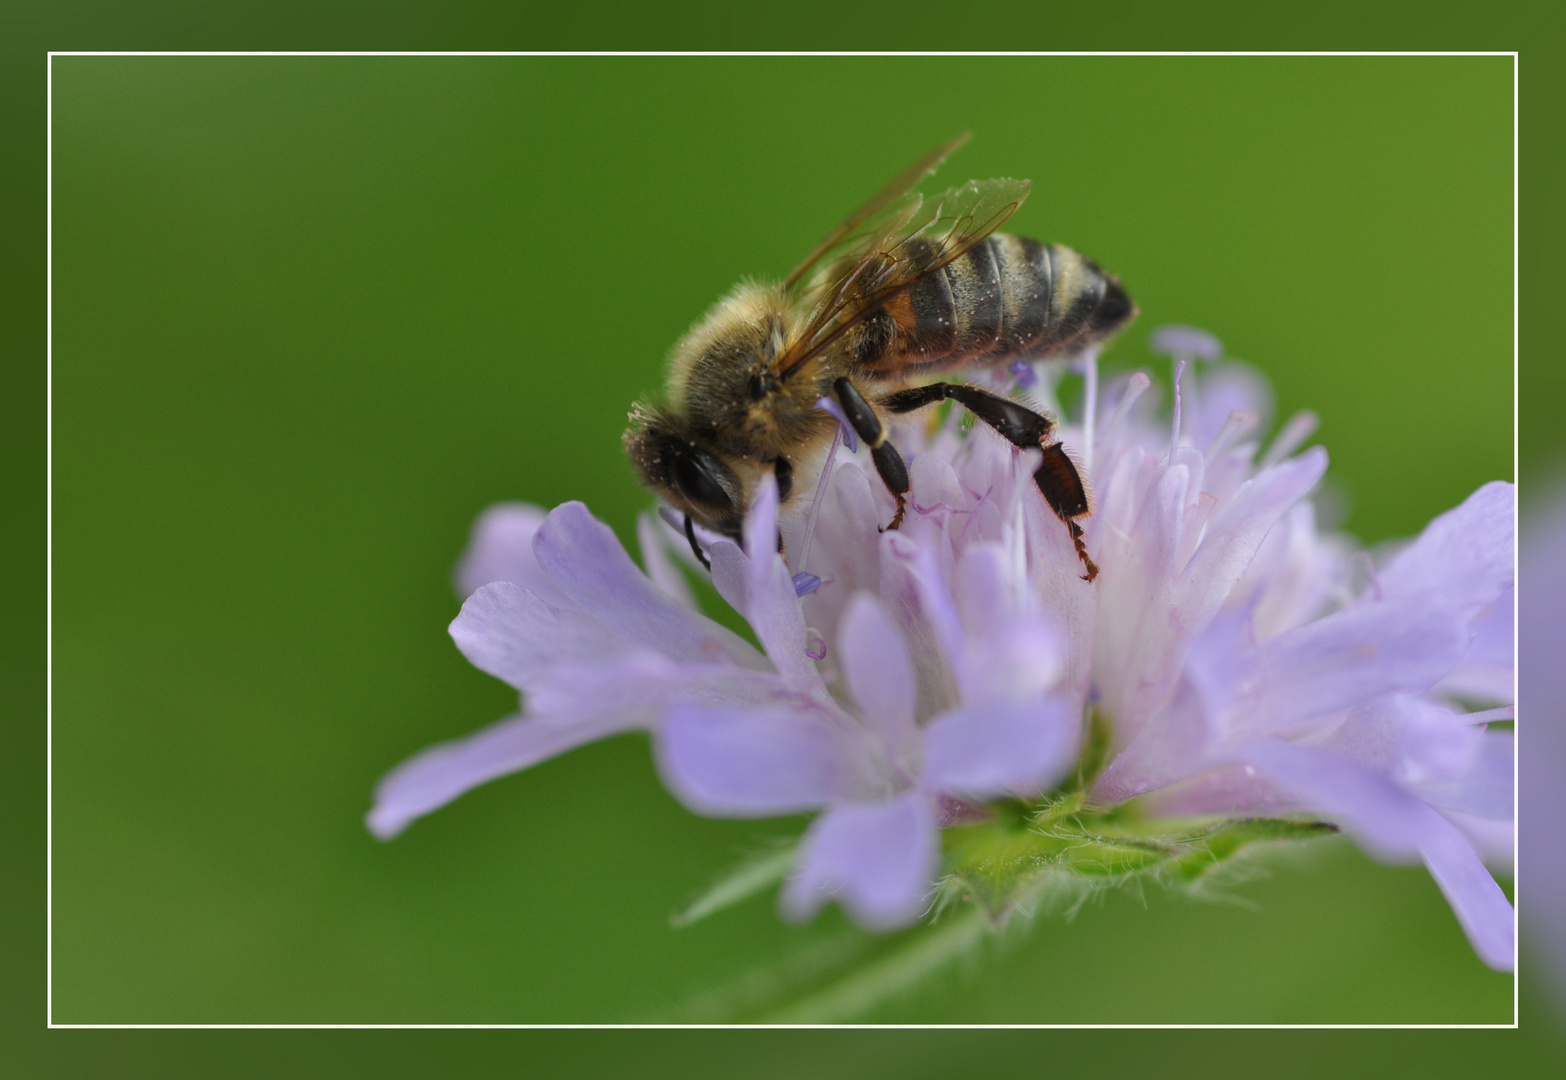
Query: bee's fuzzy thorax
739	327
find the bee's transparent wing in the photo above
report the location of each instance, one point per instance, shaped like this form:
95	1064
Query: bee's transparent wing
887	196
915	240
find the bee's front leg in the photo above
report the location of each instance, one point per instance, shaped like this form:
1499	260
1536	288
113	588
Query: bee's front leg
867	425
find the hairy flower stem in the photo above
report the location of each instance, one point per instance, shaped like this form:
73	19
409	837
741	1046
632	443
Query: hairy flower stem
887	977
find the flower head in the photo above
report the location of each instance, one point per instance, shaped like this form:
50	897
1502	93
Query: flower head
1226	664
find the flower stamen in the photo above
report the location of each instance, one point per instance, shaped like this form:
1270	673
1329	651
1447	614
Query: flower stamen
1240	421
1174	432
815	506
1299	428
1089	404
805	584
1136	386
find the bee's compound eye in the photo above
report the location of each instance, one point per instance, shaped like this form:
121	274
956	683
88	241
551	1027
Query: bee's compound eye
695	473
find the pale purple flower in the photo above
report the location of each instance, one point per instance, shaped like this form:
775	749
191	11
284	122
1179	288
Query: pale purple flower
1241	662
1243	676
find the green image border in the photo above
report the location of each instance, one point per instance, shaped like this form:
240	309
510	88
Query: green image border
1536	30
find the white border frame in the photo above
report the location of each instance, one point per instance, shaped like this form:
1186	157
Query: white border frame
874	1027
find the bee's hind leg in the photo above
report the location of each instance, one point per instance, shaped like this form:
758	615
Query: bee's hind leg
867	425
1056	476
1058	479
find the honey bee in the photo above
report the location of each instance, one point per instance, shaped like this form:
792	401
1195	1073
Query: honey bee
907	289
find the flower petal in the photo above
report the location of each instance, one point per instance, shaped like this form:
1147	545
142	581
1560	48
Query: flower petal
761	519
991	589
752	762
1231	789
1349	657
1394	824
500	548
1465	555
934	487
588	565
1151	609
1000	748
1010	652
1176	743
1441	756
731	575
848	531
1234	536
877	859
1488	672
1141	634
640	685
1295	575
772	606
510	633
1230	693
1495	841
1021	664
923	566
876	666
1484	789
652	536
431	779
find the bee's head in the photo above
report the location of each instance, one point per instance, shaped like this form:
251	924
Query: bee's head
688	475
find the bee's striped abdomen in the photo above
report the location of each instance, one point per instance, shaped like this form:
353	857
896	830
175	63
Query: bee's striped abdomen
1007	296
1029	290
975	280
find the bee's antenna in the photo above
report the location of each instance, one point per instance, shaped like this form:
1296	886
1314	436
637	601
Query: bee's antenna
701	556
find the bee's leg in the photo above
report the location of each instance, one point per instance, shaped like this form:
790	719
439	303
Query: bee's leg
1056	475
867	425
690	534
785	474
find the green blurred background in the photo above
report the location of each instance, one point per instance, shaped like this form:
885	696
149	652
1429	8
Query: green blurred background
311	315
